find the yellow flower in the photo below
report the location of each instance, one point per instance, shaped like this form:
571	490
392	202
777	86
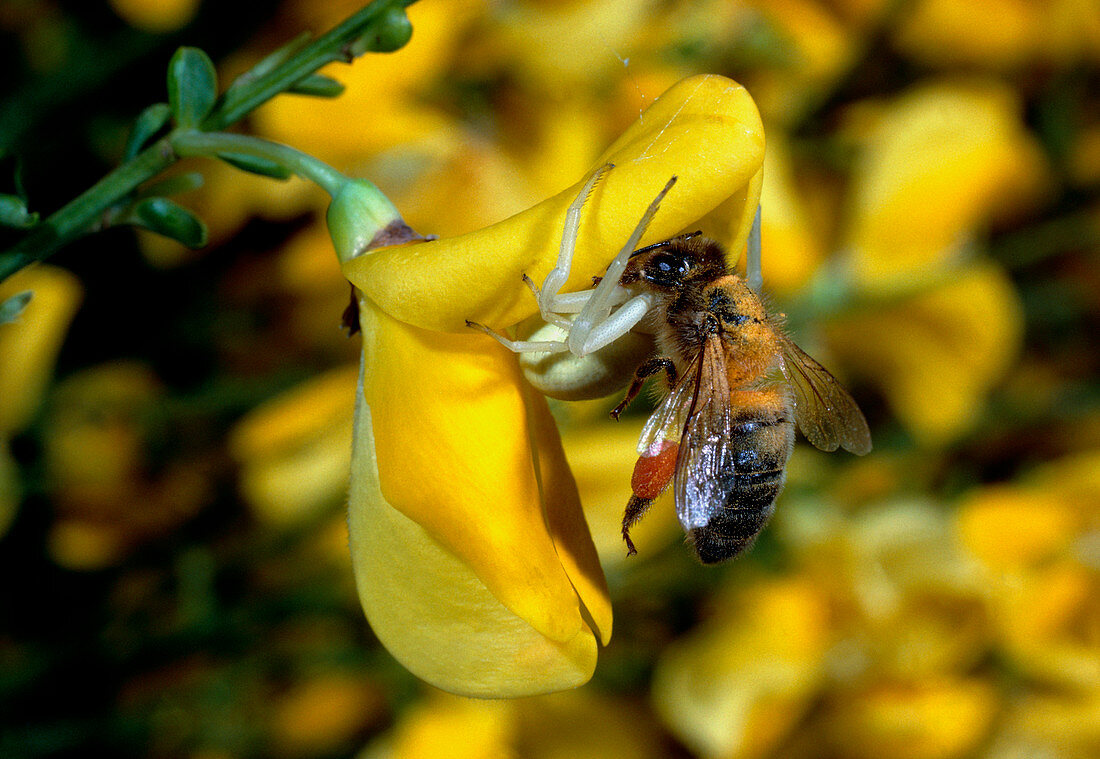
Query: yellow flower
932	170
1034	541
938	718
324	712
936	354
472	557
28	349
293	450
935	166
29	346
156	15
819	47
577	724
737	685
386	98
1000	34
106	499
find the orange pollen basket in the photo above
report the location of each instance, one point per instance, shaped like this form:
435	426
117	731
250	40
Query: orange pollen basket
653	473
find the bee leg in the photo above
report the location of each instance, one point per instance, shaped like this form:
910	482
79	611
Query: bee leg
635	508
647	369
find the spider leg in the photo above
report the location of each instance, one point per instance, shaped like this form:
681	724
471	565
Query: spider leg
557	277
615	325
754	277
521	346
602	300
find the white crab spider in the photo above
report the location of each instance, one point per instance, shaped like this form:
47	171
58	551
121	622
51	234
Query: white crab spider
594	353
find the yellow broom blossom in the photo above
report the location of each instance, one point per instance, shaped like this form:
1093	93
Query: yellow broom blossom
472	556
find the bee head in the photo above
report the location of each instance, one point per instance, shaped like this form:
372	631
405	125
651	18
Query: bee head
671	264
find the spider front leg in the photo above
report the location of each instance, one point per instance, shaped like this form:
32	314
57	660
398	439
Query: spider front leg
550	301
522	346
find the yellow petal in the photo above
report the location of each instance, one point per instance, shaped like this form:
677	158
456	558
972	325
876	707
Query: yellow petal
293	450
472	557
156	15
1008	527
736	686
705	130
933	719
29	346
932	170
936	355
793	246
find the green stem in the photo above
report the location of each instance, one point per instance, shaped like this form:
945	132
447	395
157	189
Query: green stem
335	45
85	213
194	143
371	28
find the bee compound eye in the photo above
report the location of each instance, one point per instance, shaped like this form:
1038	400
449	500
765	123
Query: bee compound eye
666	268
567	377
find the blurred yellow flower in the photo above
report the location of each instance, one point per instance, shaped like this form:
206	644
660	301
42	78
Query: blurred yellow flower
1000	34
559	48
108	501
819	49
795	247
156	15
934	719
472	557
932	169
29	346
736	685
1035	542
28	350
324	713
293	450
443	725
383	105
936	353
577	724
996	33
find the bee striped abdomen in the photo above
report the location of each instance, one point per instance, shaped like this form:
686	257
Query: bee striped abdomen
753	474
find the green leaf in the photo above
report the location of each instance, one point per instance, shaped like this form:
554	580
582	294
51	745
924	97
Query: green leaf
170	219
318	85
277	58
148	123
255	165
174	185
13	213
192	86
12	308
267	65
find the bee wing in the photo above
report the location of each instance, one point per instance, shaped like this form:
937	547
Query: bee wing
667	422
705	460
827	415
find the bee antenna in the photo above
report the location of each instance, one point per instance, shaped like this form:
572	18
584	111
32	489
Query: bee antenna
666	243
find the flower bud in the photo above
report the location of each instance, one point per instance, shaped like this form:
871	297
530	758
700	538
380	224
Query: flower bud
361	218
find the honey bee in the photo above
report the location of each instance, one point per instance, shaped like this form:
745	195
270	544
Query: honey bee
725	430
737	384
